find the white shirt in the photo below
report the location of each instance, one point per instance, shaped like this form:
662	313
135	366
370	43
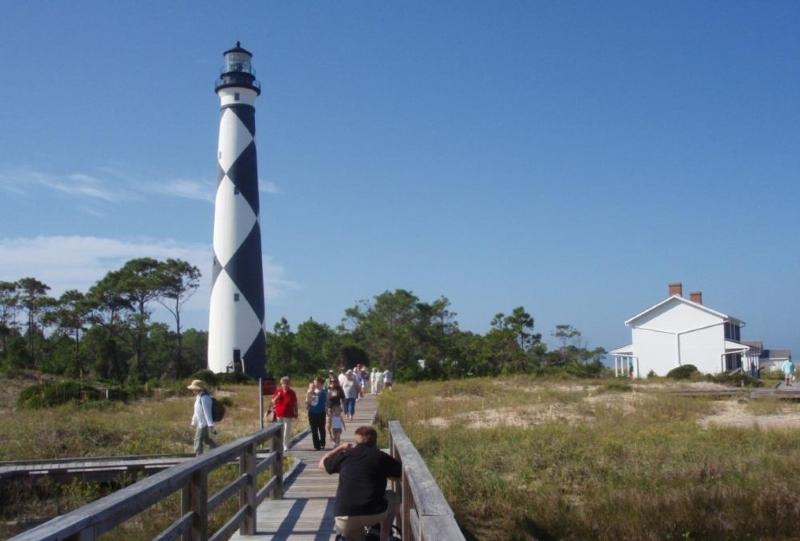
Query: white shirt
202	411
342	379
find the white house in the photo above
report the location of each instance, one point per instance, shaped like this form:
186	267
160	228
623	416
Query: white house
678	331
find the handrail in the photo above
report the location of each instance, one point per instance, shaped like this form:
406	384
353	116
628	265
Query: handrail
191	477
425	514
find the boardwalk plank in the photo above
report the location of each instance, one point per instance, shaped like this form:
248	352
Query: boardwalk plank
306	511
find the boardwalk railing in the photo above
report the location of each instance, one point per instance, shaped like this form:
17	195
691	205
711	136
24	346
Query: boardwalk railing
191	477
425	515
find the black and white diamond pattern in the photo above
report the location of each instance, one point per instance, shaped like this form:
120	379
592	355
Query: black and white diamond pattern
236	318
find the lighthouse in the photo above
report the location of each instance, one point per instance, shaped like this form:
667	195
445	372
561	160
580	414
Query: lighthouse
236	339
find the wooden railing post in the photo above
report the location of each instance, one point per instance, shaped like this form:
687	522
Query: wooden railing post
405	507
247	494
277	466
186	506
198	503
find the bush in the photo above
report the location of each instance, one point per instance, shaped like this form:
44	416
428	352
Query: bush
651	374
45	395
207	376
618	386
231	378
685	371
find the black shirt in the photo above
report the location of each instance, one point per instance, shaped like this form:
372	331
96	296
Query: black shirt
362	480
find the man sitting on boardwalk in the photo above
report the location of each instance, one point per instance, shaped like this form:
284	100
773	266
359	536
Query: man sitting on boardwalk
361	496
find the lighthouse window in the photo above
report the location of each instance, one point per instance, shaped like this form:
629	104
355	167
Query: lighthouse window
235	297
235	190
235	96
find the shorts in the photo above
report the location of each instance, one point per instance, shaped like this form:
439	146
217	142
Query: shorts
352	527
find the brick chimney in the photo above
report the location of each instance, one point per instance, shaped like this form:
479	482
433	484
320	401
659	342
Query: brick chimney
696	296
676	288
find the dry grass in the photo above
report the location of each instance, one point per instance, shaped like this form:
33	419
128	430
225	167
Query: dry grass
148	426
631	465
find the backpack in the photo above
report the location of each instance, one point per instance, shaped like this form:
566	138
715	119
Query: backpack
217	409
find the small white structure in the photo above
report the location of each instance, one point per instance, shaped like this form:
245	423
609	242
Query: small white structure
679	331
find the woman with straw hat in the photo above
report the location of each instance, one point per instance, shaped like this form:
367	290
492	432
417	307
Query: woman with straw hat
203	419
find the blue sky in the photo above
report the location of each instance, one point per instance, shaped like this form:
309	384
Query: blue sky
570	157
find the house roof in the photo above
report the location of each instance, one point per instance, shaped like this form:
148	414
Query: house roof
685	301
779	353
624	350
735	347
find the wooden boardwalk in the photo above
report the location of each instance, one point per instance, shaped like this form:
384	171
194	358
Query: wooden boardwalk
306	511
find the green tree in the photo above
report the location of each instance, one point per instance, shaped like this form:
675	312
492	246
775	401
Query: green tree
314	344
387	328
70	315
110	312
438	331
567	335
9	304
177	281
33	297
139	284
280	348
510	343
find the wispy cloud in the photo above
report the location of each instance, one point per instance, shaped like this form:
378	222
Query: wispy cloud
267	186
24	181
185	189
77	262
109	185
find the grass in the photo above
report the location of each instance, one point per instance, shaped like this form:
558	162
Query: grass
146	426
631	464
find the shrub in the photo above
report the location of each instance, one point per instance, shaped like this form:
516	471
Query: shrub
45	395
207	376
651	374
685	371
618	386
231	378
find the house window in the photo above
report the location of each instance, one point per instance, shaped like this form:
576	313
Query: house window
235	297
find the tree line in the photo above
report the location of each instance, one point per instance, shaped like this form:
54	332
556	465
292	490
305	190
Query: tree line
107	333
423	340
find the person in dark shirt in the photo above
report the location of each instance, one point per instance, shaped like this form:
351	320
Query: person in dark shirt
361	496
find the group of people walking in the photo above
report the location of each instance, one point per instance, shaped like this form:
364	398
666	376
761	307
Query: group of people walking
361	496
330	404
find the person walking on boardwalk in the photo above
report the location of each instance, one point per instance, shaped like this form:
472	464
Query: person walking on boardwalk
335	399
203	418
316	402
788	371
388	379
336	424
284	403
361	496
373	381
351	390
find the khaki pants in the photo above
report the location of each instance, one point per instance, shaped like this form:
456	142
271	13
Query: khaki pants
352	527
201	437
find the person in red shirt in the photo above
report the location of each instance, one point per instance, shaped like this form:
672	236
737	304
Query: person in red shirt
284	403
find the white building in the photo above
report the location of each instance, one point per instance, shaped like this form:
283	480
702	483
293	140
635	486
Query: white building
678	331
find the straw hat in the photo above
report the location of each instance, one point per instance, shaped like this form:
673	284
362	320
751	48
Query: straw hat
197	385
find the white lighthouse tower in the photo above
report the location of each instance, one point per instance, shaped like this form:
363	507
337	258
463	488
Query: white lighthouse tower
236	339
